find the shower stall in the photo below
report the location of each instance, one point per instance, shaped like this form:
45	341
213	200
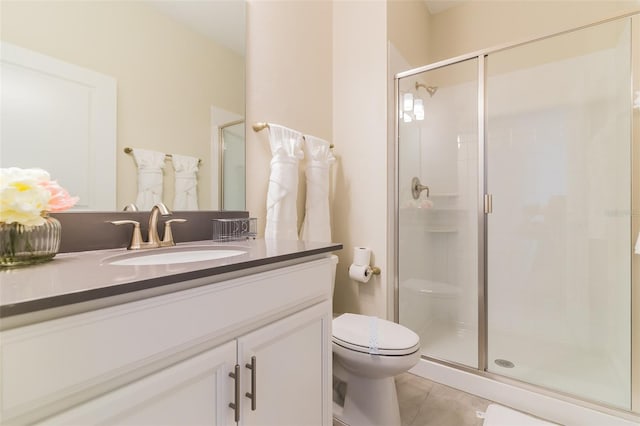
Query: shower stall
517	210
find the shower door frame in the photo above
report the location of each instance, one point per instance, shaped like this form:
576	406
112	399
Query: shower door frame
221	149
482	219
481	216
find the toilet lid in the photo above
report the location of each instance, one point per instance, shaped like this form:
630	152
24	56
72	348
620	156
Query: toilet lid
374	335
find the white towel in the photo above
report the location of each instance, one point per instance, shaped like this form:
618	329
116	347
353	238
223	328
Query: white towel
150	165
186	196
317	222
282	215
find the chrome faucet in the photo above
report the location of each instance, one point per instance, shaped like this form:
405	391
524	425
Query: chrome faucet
153	241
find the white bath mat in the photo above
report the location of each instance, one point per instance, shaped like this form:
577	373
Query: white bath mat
497	415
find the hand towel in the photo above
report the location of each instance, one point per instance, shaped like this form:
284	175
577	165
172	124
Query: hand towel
186	182
317	222
150	165
282	215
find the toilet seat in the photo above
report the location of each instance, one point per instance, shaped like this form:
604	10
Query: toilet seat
374	336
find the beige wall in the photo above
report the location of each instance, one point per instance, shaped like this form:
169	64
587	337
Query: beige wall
288	82
408	23
479	25
309	70
360	135
168	76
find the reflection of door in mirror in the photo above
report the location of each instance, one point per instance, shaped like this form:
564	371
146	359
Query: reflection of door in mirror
232	166
62	118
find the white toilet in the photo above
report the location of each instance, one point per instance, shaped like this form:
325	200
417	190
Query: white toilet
367	353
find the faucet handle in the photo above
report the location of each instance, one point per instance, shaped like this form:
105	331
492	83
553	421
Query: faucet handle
136	236
167	238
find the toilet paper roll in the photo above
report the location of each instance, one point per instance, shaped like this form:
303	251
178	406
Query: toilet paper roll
361	256
361	273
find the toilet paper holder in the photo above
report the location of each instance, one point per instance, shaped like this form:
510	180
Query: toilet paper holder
361	269
363	273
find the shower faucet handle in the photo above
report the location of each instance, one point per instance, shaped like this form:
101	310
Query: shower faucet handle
417	188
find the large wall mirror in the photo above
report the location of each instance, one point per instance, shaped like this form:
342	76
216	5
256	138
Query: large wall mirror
84	80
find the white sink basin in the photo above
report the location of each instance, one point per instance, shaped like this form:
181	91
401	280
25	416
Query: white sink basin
182	255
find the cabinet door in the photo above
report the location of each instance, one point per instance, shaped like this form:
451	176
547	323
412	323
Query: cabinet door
292	370
196	391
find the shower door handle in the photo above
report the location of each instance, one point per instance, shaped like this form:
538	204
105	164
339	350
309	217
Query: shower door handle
417	188
488	203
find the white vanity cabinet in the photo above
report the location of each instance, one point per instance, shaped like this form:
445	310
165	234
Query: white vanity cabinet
291	374
166	359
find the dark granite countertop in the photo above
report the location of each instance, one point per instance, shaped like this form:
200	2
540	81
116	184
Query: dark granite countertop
73	278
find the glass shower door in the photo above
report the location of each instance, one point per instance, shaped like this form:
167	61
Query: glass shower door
558	239
233	167
437	228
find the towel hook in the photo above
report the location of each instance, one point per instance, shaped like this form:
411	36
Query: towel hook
260	126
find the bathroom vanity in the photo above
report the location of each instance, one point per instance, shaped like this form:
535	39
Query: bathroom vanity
238	340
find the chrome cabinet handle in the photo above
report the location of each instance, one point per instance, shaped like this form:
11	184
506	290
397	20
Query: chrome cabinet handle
252	395
236	404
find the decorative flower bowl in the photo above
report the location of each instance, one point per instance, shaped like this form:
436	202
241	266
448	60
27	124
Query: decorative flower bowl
25	245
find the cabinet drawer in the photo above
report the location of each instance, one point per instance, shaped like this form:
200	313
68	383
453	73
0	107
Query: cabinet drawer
55	364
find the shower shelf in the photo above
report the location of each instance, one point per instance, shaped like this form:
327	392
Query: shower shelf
431	230
443	195
432	209
443	209
440	230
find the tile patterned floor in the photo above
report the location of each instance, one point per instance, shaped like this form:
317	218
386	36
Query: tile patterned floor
426	403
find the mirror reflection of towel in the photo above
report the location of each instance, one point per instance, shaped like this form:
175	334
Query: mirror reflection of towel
186	168
317	224
150	165
282	215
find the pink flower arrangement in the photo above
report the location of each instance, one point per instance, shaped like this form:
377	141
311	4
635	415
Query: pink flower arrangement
27	195
60	199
